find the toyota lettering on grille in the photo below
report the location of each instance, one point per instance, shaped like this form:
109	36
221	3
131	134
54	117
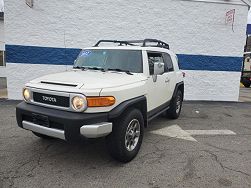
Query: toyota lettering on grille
51	99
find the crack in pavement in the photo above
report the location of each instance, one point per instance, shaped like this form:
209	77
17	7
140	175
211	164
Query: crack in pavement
189	169
239	171
14	174
222	165
219	148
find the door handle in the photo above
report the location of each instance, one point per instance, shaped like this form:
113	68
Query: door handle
167	80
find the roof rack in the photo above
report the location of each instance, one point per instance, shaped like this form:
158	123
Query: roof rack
113	41
142	43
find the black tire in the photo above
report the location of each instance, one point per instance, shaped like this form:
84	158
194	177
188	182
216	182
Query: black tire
174	111
42	136
116	141
246	82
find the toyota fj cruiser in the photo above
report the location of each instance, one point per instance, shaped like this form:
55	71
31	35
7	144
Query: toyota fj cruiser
111	92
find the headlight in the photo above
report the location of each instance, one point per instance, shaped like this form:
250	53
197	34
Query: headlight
79	103
26	94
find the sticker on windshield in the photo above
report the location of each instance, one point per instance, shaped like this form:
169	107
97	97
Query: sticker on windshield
86	53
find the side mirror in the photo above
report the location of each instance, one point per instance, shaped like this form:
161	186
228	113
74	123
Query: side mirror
159	68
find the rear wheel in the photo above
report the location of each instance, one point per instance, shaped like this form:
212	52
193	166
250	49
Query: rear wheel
42	136
125	140
175	107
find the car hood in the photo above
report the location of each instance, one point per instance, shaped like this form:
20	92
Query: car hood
89	79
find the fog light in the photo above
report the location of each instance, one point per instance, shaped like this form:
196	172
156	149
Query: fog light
26	94
79	103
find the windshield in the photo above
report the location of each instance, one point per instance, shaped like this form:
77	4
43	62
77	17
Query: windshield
125	60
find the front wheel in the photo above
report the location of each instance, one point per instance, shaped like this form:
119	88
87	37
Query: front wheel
175	107
125	140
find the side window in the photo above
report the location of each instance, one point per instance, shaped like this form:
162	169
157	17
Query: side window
154	57
168	62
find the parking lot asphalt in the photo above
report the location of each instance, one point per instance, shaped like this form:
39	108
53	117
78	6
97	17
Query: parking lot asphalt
166	160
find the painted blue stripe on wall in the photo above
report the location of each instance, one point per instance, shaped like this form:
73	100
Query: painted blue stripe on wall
61	56
249	29
211	63
40	55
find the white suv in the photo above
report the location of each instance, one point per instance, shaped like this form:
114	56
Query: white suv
111	91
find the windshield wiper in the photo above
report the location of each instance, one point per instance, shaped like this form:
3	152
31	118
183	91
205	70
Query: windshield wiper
78	67
95	68
91	68
120	70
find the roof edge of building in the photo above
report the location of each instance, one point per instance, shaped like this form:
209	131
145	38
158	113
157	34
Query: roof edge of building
247	2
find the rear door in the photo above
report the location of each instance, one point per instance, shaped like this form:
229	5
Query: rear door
170	76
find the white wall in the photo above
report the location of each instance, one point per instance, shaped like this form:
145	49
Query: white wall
199	85
2	47
190	28
19	74
212	85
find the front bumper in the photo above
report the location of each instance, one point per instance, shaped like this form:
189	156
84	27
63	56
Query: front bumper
65	125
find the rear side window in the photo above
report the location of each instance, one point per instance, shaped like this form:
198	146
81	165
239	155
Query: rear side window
168	62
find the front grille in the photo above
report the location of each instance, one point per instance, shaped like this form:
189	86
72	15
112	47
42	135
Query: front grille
40	120
55	100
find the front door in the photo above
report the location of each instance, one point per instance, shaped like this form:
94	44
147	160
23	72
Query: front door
158	86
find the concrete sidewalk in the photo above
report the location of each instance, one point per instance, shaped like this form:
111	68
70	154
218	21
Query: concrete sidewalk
245	94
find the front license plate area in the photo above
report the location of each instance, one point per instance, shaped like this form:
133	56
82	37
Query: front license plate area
40	120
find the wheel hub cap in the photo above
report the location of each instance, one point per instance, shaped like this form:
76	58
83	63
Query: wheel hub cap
178	104
132	135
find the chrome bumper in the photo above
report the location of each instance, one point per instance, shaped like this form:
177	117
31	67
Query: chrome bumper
88	131
96	130
43	130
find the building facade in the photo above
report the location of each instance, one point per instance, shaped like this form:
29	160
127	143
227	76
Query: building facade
208	36
2	44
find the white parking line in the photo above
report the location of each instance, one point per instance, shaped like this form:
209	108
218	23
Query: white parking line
211	132
175	131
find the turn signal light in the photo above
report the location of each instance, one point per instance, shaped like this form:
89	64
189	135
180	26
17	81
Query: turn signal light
100	101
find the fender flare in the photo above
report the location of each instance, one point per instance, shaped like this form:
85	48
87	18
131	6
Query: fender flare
138	102
178	85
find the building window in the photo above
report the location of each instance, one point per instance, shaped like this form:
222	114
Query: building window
3	87
2	58
1	15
